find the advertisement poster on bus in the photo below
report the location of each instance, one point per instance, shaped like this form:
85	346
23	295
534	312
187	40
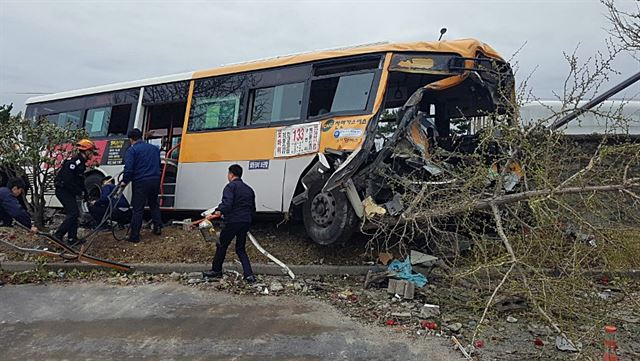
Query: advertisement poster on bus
297	140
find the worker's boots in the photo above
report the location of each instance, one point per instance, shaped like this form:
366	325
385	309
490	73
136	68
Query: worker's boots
212	274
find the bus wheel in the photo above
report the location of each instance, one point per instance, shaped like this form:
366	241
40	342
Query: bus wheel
328	217
93	185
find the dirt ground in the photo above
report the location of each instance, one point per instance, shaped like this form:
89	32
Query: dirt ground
287	242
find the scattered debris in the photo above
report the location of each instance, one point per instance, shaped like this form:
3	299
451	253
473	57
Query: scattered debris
511	319
261	249
175	276
564	344
460	347
454	327
539	330
538	341
403	288
345	295
3	257
391	322
429	311
478	344
375	278
419	258
276	286
428	325
404	271
385	257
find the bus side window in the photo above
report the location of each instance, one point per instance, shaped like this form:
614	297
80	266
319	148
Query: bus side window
97	121
67	120
217	102
282	103
210	113
339	94
108	121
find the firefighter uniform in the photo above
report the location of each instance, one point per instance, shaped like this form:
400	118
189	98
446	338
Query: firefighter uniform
69	185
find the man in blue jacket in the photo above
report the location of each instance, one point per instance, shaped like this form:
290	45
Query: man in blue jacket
142	168
120	211
10	208
237	209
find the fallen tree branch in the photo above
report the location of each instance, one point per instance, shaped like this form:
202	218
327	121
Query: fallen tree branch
512	255
485	203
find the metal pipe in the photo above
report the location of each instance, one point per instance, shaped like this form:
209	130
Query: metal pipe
595	101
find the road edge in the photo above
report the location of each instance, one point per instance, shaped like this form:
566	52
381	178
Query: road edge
162	268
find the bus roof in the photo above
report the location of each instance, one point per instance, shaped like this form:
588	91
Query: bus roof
467	48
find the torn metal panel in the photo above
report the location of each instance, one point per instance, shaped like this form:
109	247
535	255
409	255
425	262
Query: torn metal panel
395	205
418	136
319	171
354	199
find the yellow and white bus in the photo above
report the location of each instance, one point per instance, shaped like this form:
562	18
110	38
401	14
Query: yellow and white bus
305	127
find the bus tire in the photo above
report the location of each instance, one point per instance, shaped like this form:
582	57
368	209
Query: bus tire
93	185
328	217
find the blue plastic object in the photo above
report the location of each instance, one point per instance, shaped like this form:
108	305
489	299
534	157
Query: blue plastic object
404	271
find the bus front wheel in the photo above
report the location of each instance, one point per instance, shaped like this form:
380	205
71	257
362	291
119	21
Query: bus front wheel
328	217
93	185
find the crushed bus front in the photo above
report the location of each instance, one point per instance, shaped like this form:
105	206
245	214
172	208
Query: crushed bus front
452	89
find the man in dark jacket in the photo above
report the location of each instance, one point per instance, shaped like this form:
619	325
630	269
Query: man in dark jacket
237	209
69	185
120	211
142	168
10	208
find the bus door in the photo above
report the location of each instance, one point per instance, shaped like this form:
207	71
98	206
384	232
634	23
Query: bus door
164	111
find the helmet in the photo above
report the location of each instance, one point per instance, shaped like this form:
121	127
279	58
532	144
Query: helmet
86	144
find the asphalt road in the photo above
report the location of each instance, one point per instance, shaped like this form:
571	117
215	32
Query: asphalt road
169	321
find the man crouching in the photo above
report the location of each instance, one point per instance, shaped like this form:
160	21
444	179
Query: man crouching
237	209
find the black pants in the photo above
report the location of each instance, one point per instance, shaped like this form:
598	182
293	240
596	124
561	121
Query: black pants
97	213
70	224
228	233
144	192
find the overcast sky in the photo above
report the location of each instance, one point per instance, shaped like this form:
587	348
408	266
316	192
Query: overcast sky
52	46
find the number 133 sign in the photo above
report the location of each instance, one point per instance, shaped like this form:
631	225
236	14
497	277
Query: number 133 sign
297	139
